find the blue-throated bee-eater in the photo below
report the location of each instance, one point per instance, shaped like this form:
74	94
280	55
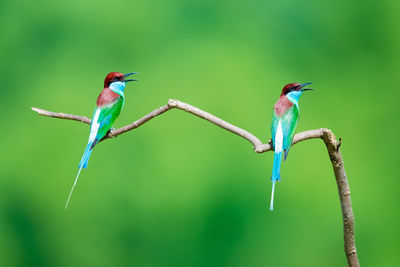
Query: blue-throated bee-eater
109	105
284	122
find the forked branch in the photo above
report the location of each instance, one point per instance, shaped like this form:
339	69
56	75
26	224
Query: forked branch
332	145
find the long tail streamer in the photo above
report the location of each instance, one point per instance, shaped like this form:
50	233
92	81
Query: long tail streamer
73	186
271	206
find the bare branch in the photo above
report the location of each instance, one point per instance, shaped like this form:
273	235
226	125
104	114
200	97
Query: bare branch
62	115
332	145
139	122
215	120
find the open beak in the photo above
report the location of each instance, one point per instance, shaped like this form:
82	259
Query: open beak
305	89
127	75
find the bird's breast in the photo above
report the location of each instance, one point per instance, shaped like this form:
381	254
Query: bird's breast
107	97
282	105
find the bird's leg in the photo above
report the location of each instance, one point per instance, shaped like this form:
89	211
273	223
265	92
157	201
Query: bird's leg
109	131
271	143
108	135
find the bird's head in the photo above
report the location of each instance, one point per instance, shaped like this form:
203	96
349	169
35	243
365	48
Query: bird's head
293	87
293	91
117	77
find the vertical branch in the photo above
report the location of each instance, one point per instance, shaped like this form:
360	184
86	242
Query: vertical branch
344	194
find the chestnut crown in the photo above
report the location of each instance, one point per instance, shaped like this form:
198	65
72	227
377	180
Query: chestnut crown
117	77
290	87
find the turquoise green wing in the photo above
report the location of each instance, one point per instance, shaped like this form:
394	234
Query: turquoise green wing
108	115
274	126
289	123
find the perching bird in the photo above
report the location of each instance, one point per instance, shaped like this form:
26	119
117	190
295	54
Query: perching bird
284	121
109	105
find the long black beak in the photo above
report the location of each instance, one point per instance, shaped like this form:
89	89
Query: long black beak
129	74
305	89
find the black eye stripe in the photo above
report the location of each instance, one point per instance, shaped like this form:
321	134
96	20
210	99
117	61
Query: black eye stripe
291	89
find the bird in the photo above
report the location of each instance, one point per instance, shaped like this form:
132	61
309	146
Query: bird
108	107
284	121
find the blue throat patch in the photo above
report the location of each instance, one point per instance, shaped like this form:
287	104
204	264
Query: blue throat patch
118	87
294	97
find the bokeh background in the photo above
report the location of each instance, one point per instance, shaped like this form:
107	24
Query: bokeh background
180	191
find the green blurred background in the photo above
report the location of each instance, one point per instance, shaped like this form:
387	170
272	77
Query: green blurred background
180	191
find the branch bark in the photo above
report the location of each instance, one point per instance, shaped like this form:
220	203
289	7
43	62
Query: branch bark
332	145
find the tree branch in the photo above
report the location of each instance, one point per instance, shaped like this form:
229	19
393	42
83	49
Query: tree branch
332	145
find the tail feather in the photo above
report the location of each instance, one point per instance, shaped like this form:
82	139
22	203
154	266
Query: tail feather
82	165
276	175
86	155
276	170
72	189
271	206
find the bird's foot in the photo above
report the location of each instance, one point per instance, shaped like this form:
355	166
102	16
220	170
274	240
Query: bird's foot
109	133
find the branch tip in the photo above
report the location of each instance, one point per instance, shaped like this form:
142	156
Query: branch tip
339	144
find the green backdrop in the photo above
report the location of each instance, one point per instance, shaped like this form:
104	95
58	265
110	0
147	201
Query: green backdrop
180	191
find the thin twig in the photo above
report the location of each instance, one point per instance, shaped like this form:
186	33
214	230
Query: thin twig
332	145
62	115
